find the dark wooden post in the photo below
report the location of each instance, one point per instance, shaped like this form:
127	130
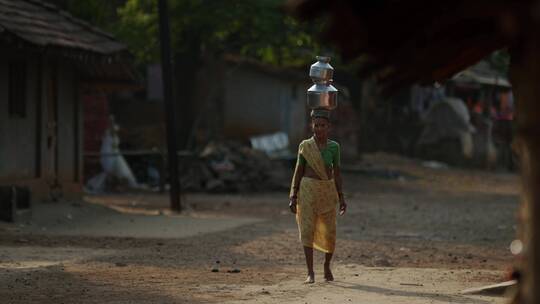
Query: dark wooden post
170	109
525	76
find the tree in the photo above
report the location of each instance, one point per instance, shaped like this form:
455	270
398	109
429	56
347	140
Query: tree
500	61
203	30
97	12
256	29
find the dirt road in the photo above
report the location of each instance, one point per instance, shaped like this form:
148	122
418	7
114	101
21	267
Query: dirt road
412	235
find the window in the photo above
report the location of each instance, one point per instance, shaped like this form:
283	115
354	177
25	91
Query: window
17	89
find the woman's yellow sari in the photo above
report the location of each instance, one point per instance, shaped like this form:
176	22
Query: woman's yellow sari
317	200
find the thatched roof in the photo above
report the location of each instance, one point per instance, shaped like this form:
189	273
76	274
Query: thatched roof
37	26
403	42
42	24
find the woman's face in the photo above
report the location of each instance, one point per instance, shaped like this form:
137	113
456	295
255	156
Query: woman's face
320	127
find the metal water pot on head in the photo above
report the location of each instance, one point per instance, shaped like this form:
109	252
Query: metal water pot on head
322	94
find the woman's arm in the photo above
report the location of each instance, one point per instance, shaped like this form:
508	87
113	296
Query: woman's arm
338	182
297	177
298	174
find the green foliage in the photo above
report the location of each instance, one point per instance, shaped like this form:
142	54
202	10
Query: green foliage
256	29
500	61
138	27
97	12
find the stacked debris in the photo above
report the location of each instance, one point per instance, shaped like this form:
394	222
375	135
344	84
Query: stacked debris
233	167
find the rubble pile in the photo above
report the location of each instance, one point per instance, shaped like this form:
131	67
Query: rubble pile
233	167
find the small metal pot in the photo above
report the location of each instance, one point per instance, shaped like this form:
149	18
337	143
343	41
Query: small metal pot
322	96
321	70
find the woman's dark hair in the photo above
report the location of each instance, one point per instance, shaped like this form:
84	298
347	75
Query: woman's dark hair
320	113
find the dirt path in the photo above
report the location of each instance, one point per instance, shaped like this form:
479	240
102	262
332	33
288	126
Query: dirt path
420	237
377	285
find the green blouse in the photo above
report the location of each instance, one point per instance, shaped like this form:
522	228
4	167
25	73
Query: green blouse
330	155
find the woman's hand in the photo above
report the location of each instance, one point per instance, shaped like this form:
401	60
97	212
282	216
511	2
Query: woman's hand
342	207
292	203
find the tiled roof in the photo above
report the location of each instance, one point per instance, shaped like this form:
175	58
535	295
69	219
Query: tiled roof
42	24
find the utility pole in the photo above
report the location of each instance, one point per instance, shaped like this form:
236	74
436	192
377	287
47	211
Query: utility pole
170	108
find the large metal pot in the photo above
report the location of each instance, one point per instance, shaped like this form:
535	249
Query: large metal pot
322	96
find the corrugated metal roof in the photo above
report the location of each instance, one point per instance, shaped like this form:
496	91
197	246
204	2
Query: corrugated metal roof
43	24
482	73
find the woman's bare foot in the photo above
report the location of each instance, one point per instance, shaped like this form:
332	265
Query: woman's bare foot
328	276
310	279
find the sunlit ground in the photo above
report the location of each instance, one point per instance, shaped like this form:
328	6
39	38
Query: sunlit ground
419	238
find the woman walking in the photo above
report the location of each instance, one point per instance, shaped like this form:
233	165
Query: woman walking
316	190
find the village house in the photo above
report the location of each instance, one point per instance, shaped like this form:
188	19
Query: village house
446	122
238	98
469	121
238	101
50	62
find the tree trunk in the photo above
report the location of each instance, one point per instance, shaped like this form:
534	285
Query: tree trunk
525	76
